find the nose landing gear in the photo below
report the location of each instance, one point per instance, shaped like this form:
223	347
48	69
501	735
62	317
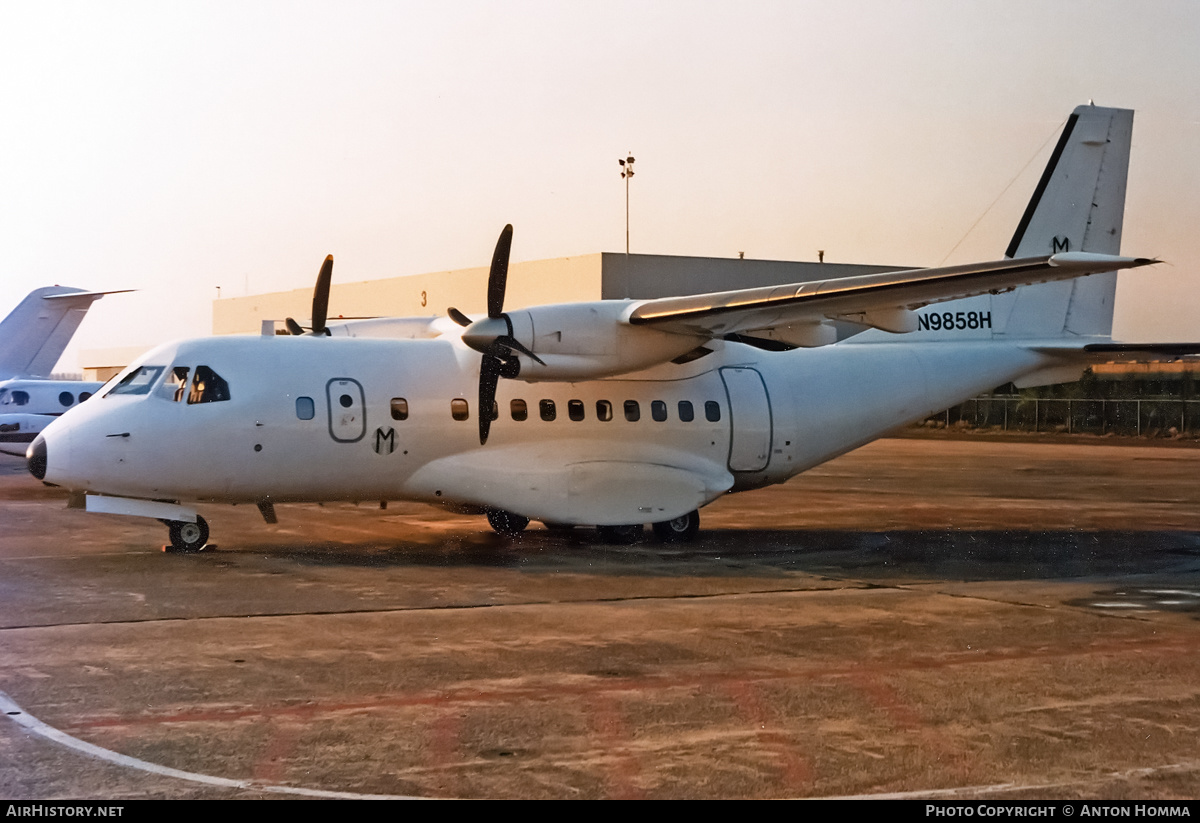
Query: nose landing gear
188	537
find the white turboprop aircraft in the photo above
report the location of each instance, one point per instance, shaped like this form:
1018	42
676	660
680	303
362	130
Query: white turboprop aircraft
32	339
613	413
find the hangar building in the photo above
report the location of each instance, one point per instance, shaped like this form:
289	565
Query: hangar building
604	275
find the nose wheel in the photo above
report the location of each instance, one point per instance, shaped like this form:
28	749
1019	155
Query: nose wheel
188	537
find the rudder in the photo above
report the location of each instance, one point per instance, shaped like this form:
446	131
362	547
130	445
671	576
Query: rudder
1078	205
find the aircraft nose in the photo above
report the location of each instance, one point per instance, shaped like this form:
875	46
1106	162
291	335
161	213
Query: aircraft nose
35	457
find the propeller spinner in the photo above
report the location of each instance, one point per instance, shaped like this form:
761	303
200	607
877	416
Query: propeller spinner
320	304
493	336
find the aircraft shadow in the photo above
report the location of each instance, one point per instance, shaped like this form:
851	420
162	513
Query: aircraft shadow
970	555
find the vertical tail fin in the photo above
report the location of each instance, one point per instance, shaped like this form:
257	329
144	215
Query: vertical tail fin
35	333
1078	205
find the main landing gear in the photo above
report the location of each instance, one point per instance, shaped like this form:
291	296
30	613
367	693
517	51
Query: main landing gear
682	529
507	523
188	537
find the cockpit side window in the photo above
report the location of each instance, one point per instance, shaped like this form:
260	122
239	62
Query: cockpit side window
207	387
175	386
137	381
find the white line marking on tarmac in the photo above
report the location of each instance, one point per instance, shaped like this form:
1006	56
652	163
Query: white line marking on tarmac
32	724
1002	788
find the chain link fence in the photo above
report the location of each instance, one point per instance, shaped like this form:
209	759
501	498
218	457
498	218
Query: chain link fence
1139	417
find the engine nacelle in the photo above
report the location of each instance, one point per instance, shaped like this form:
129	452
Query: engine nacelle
582	341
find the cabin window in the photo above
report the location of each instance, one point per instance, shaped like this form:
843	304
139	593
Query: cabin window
459	409
84	395
658	411
519	409
21	398
306	409
137	381
399	408
207	387
65	398
547	410
712	411
603	410
686	413
633	412
575	409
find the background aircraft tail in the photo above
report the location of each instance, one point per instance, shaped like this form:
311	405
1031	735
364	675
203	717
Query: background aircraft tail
35	333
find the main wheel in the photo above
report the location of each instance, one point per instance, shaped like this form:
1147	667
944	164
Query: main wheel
620	535
188	537
682	529
507	523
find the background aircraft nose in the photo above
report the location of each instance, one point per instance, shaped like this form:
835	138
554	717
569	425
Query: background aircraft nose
35	456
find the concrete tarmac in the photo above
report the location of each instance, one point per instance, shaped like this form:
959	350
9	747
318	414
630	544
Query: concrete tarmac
920	618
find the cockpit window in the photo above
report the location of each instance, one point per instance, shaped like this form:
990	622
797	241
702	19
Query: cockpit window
208	387
137	381
175	386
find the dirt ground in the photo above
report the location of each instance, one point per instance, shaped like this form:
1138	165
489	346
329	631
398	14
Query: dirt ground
974	618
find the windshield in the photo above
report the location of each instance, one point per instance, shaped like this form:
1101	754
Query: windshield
137	381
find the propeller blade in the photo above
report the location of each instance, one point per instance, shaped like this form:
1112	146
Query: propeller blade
458	317
511	343
293	327
320	306
498	276
489	375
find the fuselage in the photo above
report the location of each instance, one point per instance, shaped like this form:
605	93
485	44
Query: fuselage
241	419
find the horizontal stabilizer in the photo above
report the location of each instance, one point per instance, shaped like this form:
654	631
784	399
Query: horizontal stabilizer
879	295
1154	350
75	295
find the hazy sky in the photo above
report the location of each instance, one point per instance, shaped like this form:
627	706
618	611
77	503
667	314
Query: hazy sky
177	147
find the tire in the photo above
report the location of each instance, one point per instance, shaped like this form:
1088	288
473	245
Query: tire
188	537
507	523
682	529
620	535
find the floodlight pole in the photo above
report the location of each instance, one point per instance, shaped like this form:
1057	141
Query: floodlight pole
626	173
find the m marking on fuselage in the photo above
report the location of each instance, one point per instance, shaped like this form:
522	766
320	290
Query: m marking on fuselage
385	440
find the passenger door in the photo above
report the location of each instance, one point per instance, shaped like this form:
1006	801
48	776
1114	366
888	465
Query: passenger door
749	419
347	410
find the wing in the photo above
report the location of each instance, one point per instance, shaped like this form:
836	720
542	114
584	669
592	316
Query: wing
885	301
